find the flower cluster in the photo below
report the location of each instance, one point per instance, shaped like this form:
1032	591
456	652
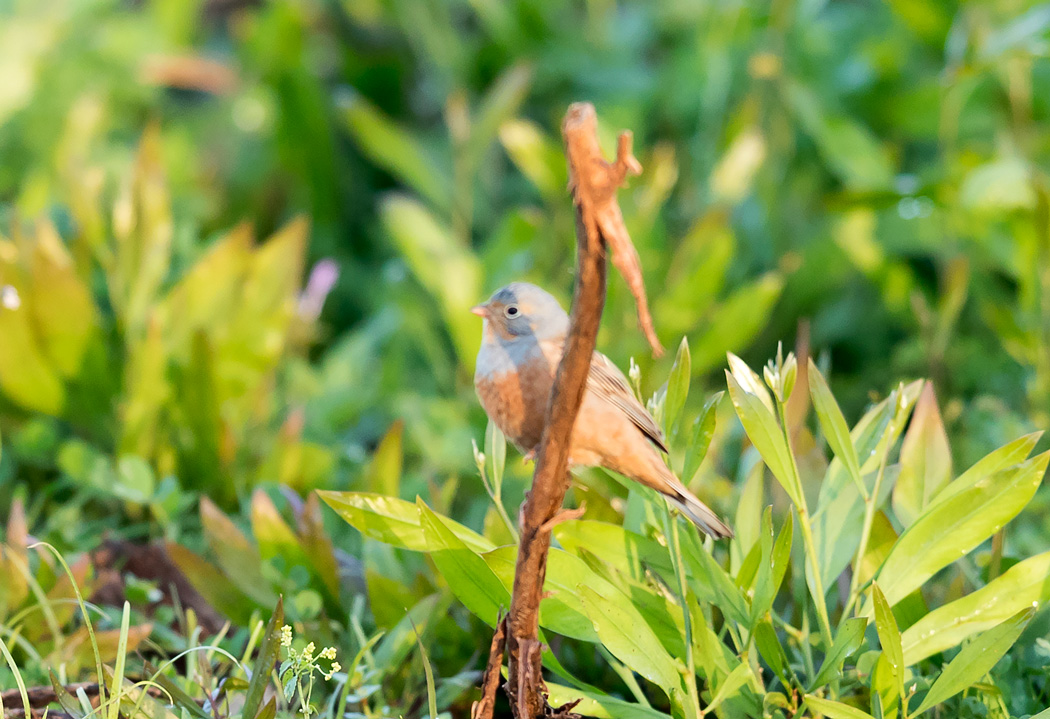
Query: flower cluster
297	671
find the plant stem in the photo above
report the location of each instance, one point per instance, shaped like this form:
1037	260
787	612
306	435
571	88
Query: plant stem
807	535
679	571
865	533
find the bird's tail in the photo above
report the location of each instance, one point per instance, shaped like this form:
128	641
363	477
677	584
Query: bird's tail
698	513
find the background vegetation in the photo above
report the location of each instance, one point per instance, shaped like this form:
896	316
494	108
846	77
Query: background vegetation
238	242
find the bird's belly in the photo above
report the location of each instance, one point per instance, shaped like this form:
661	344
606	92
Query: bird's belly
516	402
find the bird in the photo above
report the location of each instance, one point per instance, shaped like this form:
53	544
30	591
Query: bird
523	338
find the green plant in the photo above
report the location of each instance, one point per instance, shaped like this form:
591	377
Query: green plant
768	627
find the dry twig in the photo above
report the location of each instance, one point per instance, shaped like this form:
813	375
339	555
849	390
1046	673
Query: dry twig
599	224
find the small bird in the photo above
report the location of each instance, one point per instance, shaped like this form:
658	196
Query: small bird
525	330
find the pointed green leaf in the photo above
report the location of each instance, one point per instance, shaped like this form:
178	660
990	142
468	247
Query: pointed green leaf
925	459
237	556
975	660
435	254
536	156
833	423
396	150
599	705
1006	456
467	574
730	685
269	653
703	432
1023	585
847	641
496	450
949	529
383	474
889	635
677	387
393	521
763	430
769	647
630	641
734	323
835	710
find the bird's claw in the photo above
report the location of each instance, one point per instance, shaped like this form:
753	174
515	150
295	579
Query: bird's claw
563	515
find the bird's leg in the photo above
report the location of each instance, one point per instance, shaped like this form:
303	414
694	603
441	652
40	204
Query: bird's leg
563	515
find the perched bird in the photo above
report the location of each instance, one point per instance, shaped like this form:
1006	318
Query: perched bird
525	330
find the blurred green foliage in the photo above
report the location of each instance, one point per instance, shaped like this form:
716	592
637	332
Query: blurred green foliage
181	181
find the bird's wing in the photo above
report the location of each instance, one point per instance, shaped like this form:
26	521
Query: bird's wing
608	382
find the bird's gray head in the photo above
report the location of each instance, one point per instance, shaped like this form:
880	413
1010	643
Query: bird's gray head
523	310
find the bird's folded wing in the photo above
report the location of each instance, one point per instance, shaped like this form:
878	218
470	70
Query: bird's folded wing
608	382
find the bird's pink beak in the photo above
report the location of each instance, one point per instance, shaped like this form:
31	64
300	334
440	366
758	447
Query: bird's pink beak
480	310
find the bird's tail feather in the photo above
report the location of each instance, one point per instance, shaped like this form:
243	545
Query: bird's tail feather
699	513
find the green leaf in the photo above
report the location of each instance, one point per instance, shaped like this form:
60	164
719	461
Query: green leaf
834	424
775	559
835	710
748	515
769	647
730	685
660	611
202	299
69	705
396	150
212	584
467	574
269	653
695	277
435	254
710	582
629	640
396	644
599	705
754	408
847	641
889	637
237	556
975	660
500	103
630	553
393	521
949	529
850	150
840	507
536	156
26	374
677	387
1006	456
925	459
60	301
383	474
562	611
1023	585
734	323
763	591
703	432
496	451
275	537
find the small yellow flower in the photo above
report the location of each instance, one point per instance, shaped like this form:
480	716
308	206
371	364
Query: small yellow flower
286	636
308	652
327	653
336	666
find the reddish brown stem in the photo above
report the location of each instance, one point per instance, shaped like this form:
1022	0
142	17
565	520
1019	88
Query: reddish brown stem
599	224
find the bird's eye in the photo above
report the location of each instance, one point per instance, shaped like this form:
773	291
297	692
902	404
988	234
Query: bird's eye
511	311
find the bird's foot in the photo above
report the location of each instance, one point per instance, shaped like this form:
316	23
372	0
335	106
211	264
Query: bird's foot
563	515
